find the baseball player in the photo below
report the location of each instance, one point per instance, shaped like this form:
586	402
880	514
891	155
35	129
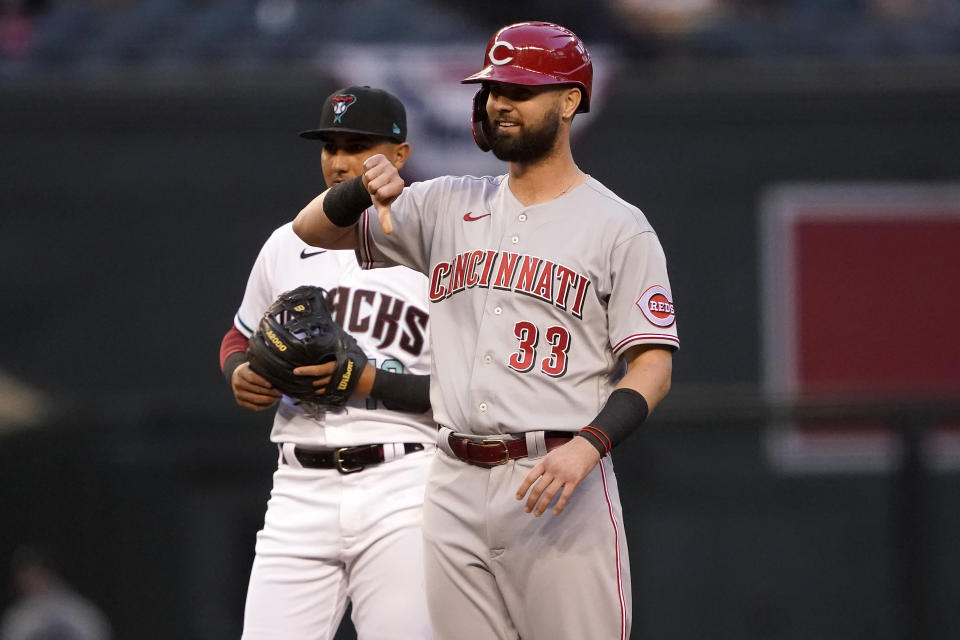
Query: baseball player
48	607
343	520
552	328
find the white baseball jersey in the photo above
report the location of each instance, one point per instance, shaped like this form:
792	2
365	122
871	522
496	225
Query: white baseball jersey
329	538
532	306
385	311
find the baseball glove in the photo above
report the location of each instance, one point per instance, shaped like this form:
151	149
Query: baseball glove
298	330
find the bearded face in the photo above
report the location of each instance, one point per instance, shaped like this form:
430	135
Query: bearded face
514	141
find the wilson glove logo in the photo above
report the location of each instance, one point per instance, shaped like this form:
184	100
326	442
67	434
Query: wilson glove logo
277	342
345	380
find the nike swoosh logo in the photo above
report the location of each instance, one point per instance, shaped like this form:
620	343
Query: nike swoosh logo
304	254
470	218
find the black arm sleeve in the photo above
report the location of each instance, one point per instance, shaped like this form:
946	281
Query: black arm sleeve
624	411
345	201
401	391
233	361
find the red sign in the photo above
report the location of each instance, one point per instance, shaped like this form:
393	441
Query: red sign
861	290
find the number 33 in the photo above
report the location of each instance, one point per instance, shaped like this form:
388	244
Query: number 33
525	358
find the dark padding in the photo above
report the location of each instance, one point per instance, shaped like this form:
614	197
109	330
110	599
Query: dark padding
623	413
345	201
231	363
401	391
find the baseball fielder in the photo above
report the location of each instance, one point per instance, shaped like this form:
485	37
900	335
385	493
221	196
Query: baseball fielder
343	520
552	333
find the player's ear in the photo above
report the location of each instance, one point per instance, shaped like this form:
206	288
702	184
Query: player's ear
570	101
400	154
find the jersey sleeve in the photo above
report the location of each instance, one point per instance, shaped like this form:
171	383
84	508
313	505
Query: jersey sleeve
640	309
257	297
414	216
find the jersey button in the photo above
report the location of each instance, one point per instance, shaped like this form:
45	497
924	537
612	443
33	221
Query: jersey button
514	239
497	311
488	358
522	217
483	406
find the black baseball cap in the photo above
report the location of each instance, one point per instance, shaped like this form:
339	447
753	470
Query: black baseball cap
363	110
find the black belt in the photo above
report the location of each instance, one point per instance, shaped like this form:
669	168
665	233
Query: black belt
347	459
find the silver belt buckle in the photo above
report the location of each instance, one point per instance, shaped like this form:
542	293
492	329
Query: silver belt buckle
338	461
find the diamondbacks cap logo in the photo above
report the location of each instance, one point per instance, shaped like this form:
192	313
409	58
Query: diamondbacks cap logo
340	105
493	50
657	306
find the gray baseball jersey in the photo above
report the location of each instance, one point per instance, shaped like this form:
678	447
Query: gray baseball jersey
531	306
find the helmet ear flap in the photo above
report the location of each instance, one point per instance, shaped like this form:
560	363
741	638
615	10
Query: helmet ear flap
479	124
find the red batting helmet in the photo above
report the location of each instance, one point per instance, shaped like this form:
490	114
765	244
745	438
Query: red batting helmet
531	53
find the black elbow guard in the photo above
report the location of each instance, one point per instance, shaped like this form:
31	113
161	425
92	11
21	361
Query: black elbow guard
345	201
233	361
624	411
401	391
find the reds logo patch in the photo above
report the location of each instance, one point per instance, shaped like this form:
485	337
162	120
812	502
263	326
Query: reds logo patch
504	60
657	306
340	105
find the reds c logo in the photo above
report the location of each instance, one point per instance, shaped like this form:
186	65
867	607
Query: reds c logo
500	61
657	306
340	105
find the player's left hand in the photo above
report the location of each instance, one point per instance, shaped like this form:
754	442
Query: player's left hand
561	469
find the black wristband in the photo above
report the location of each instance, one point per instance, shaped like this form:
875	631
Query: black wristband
591	437
624	411
345	201
233	361
401	391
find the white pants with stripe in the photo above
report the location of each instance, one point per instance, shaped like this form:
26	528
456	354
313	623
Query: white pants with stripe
329	538
495	572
